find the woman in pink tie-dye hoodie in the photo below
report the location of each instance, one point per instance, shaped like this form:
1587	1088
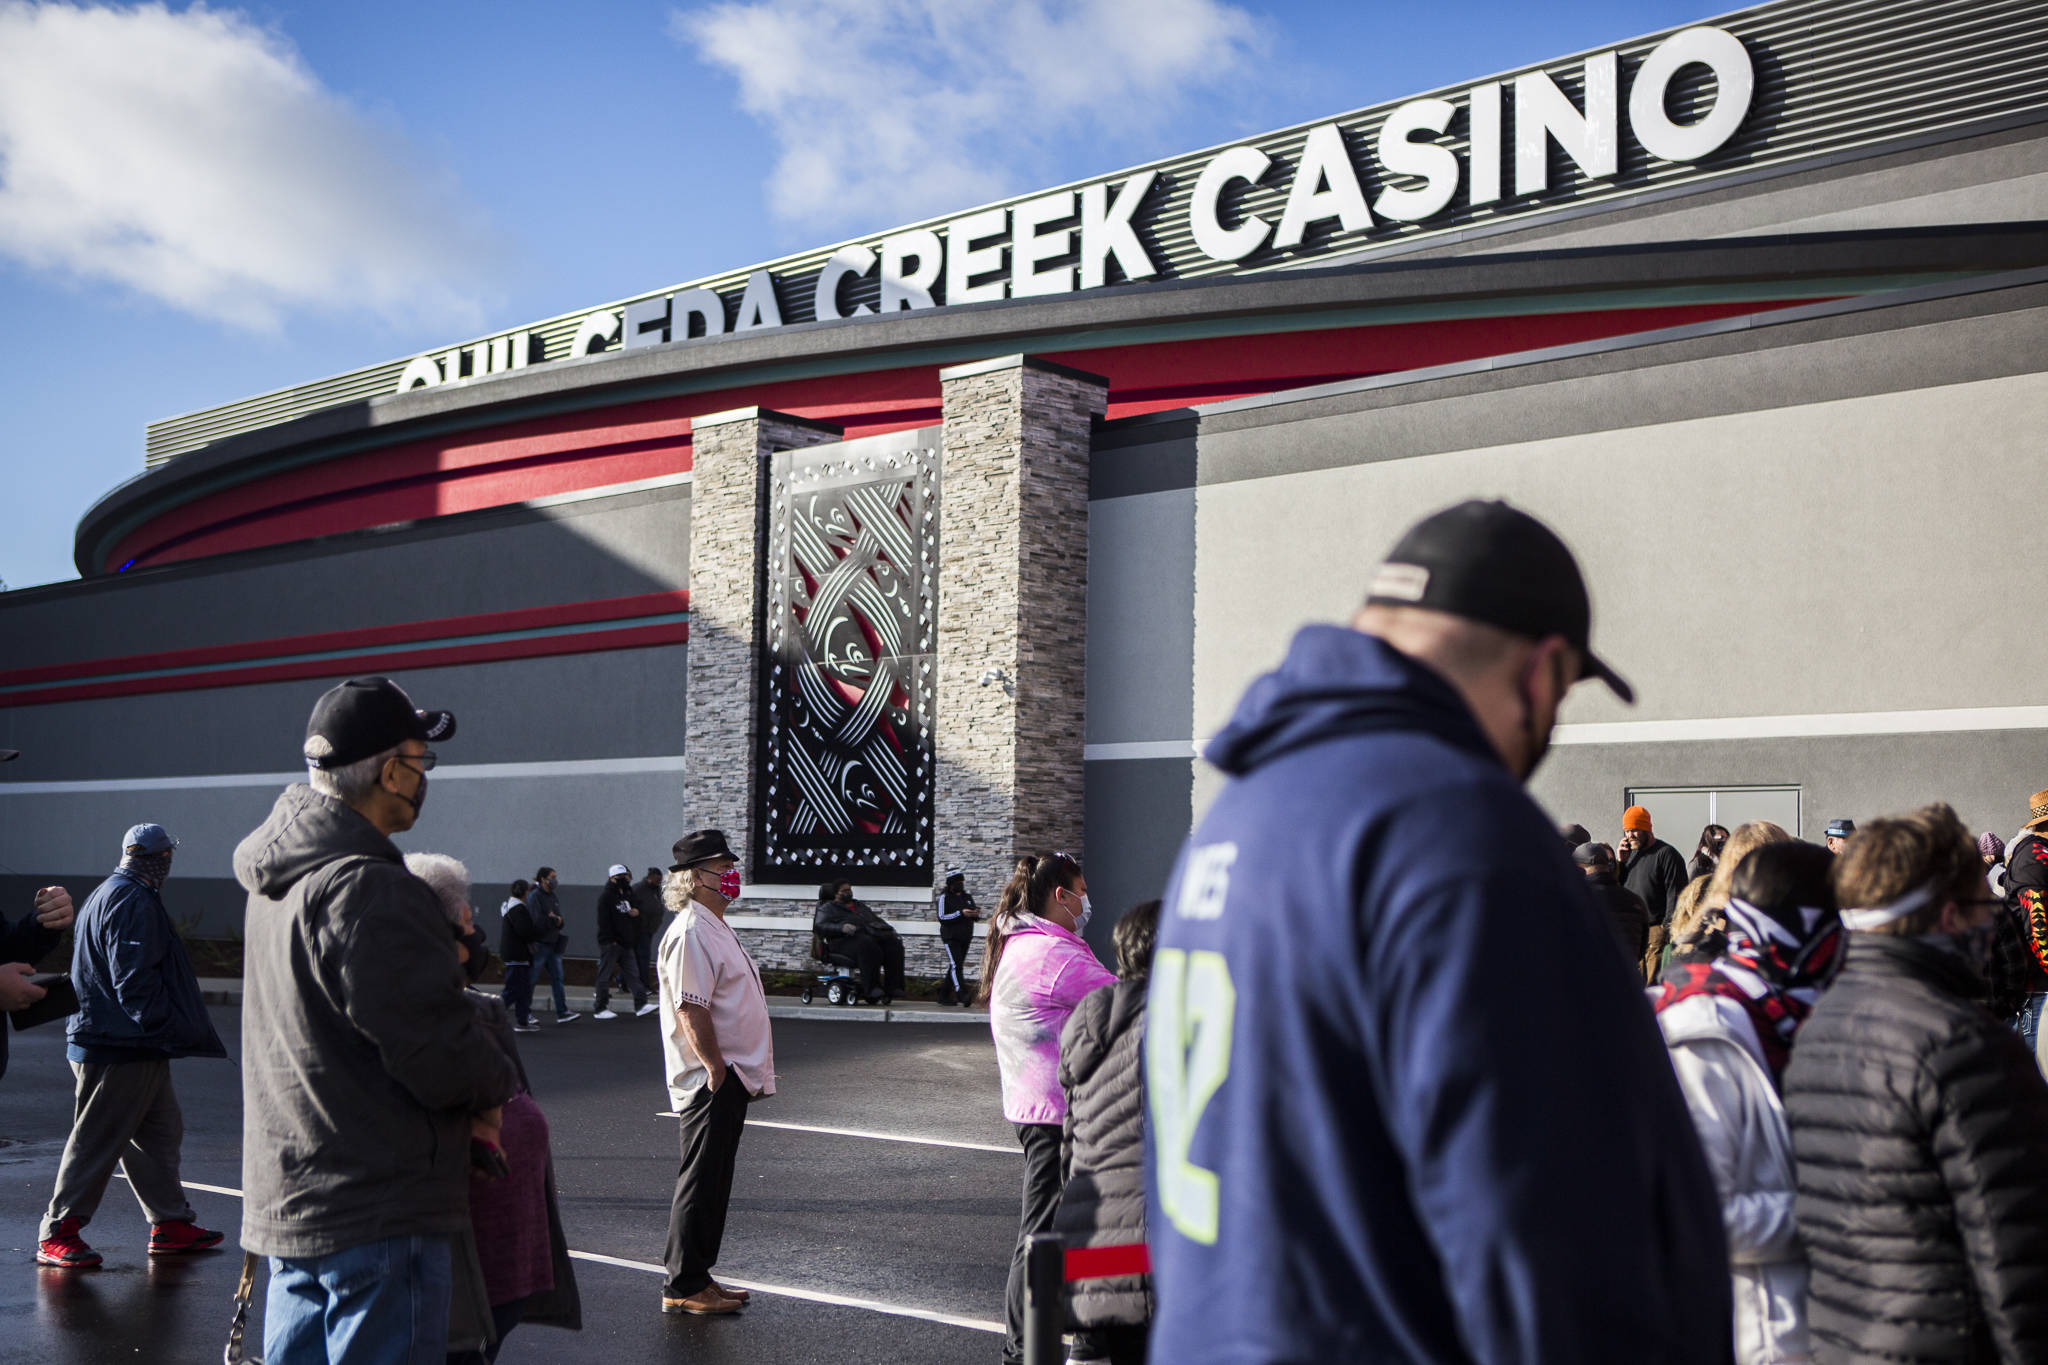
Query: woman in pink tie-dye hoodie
1037	969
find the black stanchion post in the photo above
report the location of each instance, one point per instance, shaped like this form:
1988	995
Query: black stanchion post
1045	1285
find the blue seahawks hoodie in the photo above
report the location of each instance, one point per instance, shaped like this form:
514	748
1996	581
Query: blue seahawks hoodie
1406	1104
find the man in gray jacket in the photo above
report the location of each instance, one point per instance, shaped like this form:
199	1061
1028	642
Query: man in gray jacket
362	1061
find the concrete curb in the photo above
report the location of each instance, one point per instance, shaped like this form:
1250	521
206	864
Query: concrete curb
217	990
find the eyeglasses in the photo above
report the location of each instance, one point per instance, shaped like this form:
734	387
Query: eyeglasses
424	760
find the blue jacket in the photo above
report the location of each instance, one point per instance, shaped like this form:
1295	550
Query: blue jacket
138	999
1407	1103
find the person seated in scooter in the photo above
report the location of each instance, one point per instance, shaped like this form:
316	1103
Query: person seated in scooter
850	928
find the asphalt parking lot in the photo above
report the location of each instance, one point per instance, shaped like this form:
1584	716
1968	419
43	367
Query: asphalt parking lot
858	1247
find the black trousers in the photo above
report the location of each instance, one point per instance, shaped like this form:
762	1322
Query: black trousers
711	1127
1041	1144
877	960
956	943
1118	1345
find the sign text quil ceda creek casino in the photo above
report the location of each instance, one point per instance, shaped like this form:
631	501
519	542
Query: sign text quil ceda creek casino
1091	235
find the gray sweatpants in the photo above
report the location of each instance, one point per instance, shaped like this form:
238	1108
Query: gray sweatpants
125	1114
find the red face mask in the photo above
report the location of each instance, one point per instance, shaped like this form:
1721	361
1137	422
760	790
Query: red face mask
729	883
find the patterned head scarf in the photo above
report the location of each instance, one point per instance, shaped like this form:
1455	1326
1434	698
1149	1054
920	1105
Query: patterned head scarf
1775	965
151	868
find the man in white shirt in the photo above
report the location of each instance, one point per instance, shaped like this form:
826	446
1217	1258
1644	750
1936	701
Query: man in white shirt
720	1057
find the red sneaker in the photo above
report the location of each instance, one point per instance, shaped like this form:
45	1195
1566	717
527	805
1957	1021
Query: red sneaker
175	1239
66	1248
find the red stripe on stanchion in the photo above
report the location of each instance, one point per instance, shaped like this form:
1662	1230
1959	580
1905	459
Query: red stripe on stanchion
1094	1263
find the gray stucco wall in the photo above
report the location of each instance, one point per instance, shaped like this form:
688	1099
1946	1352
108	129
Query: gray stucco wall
1806	520
572	760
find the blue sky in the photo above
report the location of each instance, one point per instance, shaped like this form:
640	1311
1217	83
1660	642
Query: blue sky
197	204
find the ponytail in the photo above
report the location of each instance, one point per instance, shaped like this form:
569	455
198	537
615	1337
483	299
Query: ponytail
1030	888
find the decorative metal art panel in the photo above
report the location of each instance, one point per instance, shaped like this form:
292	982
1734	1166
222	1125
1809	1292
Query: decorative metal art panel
849	681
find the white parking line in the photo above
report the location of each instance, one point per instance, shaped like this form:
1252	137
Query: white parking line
863	1133
897	1310
815	1296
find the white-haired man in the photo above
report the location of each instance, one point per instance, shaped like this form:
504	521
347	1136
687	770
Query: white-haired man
362	1062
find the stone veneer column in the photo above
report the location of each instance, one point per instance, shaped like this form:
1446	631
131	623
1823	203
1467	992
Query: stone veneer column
728	579
1013	597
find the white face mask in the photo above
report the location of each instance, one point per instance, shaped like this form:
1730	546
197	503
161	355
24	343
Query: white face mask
1087	912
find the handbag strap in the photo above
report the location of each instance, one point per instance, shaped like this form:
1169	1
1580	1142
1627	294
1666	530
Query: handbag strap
244	1292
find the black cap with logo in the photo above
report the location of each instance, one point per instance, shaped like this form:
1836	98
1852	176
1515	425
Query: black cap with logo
366	716
1489	562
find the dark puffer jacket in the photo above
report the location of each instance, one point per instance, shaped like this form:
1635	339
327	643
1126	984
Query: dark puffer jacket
1920	1123
1102	1158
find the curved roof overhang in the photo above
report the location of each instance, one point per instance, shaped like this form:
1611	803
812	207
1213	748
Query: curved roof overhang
1758	271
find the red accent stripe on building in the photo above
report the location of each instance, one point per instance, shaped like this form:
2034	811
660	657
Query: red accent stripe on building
371	637
568	453
1094	1263
632	637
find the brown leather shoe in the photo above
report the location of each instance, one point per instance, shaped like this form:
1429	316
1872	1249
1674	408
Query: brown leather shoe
705	1302
731	1293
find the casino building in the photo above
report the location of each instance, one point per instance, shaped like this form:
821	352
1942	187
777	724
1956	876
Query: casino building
958	540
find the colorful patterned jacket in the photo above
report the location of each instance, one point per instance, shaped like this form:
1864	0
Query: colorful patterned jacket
2021	966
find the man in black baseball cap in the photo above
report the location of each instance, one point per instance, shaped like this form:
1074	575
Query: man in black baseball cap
367	719
1489	562
357	1042
1373	894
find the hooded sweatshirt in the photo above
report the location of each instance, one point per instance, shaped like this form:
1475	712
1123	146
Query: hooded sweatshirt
1407	1103
362	1059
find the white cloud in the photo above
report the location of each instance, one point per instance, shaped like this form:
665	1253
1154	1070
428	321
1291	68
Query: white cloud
194	157
897	109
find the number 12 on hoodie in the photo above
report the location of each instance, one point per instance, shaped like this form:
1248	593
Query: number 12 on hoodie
1189	1011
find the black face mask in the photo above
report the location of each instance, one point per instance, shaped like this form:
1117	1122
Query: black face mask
479	959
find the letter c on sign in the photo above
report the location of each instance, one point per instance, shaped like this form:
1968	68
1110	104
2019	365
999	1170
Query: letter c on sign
848	260
1217	242
422	373
1734	86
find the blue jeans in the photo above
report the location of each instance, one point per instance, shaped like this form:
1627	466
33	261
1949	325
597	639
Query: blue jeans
383	1303
546	959
2028	1021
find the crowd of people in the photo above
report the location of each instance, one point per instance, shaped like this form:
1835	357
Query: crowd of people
1391	1072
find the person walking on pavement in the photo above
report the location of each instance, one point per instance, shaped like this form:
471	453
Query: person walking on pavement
618	932
871	941
547	940
2019	973
1707	856
1992	849
1919	1120
957	915
720	1057
1036	970
1650	867
1622	908
139	1009
1730	1024
363	1063
1102	1151
24	943
515	1223
515	945
647	897
1358	1047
